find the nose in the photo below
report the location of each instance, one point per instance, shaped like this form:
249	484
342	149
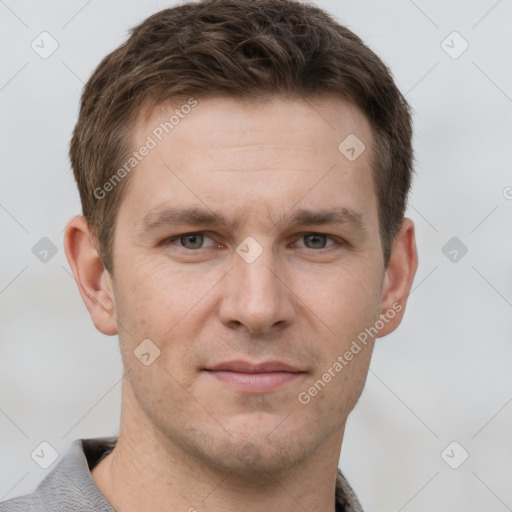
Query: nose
257	295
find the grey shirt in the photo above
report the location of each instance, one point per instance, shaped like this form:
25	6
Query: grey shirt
70	487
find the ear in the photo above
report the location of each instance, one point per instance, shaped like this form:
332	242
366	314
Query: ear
399	277
92	278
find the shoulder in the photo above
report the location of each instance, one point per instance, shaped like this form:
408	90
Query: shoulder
346	499
69	486
27	503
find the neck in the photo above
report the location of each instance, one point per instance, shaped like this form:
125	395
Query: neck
148	471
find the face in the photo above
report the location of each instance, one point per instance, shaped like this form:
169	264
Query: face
247	251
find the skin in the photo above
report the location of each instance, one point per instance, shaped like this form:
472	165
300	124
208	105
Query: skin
187	438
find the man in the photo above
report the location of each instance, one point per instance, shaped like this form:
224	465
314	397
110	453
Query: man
243	168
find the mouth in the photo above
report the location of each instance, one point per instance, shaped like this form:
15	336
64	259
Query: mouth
263	377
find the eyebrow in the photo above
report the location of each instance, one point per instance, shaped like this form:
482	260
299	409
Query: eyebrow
197	216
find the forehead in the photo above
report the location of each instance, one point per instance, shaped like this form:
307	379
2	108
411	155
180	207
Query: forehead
316	124
261	154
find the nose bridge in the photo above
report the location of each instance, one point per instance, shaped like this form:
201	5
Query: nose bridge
257	281
256	297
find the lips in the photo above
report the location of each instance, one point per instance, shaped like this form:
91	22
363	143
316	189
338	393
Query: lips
251	377
248	367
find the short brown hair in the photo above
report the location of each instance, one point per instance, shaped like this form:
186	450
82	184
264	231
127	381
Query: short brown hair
241	49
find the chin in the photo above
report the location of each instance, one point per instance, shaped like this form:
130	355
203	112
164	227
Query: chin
254	451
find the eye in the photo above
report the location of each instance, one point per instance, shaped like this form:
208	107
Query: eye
316	240
190	241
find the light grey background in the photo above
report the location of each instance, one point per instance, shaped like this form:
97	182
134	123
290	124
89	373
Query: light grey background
443	376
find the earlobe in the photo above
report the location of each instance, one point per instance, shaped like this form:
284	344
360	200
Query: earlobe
93	280
399	276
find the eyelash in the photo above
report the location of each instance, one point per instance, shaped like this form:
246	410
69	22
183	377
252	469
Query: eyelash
336	241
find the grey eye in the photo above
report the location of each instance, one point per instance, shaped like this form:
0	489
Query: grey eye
317	241
192	241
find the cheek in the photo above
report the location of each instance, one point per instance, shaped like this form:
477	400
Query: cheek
344	298
155	297
344	304
155	304
168	307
